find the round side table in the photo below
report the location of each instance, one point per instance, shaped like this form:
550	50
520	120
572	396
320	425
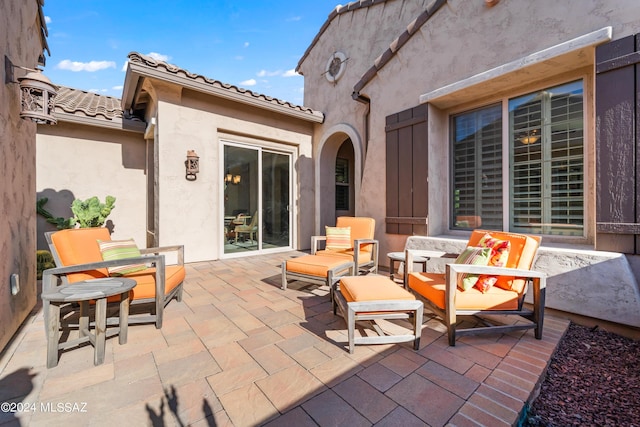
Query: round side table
97	290
400	257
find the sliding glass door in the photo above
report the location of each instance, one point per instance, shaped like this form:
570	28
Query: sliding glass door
257	196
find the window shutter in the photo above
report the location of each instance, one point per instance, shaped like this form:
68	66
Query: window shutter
407	172
617	143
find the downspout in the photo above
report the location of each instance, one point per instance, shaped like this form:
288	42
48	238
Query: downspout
357	96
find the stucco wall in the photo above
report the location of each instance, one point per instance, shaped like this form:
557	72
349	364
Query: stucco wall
464	38
20	41
191	212
78	162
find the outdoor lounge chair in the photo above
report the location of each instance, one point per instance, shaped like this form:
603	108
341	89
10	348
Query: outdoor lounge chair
349	249
360	247
78	257
442	293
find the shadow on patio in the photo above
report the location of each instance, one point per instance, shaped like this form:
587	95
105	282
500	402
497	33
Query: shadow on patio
240	351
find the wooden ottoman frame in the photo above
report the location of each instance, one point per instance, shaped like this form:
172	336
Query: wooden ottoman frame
373	309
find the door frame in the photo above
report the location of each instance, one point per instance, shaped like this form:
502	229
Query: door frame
260	146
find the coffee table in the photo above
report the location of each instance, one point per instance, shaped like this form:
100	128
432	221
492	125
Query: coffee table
97	290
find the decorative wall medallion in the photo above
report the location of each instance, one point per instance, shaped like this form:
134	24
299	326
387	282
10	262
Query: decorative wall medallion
335	66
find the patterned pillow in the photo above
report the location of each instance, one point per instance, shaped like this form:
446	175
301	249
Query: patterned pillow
475	256
338	238
120	249
499	256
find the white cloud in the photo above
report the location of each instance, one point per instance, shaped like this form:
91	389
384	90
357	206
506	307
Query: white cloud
265	73
158	56
294	18
117	87
47	20
290	73
97	90
246	44
250	82
124	66
90	66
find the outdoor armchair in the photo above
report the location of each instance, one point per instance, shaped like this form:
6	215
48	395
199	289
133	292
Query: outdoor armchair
490	289
352	239
78	256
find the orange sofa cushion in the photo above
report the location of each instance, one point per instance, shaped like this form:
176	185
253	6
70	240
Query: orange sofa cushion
314	265
372	288
432	287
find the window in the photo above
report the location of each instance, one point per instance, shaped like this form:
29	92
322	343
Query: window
546	164
342	184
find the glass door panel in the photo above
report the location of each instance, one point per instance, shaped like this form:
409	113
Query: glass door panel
275	200
241	199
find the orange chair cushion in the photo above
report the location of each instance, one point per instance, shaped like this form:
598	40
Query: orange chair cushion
314	265
80	246
146	287
432	287
365	256
372	288
361	227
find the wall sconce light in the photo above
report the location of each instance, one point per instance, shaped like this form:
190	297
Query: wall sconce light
37	94
192	164
232	179
530	138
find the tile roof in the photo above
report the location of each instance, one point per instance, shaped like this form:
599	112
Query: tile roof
88	104
253	97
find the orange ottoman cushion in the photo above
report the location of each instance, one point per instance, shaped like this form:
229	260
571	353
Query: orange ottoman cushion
314	265
372	288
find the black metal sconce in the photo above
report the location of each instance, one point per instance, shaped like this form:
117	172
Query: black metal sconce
192	164
37	94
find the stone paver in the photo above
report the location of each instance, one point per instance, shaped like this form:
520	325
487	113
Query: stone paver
238	351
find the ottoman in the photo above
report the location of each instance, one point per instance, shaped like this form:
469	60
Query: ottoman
315	269
370	298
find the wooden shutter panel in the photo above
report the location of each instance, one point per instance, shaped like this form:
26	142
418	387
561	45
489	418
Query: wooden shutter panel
617	143
407	172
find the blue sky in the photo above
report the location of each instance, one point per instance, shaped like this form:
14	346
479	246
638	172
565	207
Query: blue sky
254	44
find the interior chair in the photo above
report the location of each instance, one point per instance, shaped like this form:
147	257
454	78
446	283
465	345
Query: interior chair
352	239
444	295
78	256
251	229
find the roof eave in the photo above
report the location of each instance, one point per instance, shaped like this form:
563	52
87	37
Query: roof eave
136	71
115	124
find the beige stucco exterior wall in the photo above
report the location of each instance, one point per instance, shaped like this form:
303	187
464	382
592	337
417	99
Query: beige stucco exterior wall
463	39
20	41
444	51
77	162
191	212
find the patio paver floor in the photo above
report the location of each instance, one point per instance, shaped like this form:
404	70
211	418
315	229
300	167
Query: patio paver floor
239	351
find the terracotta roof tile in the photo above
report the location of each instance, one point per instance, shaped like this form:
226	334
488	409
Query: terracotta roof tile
88	104
148	61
